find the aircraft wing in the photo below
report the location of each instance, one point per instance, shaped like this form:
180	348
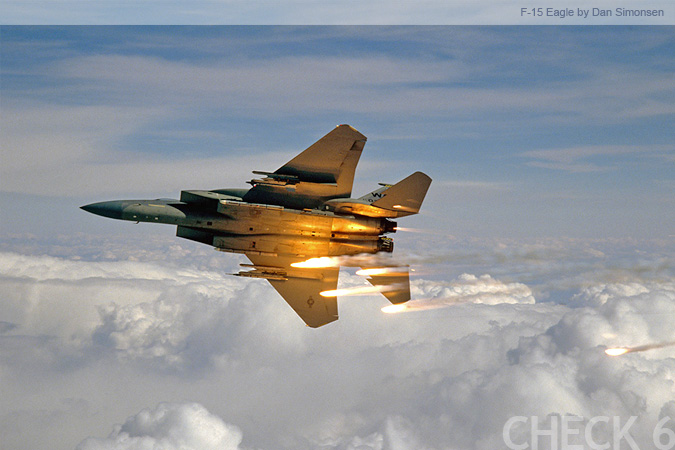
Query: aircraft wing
323	171
300	287
329	159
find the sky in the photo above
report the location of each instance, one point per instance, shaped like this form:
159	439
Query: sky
546	235
526	131
332	12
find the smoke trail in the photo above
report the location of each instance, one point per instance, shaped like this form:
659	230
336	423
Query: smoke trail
423	304
467	289
618	351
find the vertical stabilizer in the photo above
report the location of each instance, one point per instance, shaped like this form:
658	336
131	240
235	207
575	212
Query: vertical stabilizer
406	196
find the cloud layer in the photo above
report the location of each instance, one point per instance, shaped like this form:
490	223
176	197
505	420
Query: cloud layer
171	350
169	427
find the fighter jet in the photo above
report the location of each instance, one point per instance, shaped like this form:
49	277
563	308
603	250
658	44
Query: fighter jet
300	213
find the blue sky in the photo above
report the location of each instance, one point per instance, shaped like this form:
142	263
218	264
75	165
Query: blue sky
526	131
546	236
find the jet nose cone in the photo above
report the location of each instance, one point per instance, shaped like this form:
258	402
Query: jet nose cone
105	209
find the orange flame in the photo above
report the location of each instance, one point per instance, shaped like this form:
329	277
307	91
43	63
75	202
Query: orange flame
616	351
316	263
373	272
396	308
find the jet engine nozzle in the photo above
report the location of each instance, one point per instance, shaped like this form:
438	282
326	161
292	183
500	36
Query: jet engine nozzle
385	244
389	226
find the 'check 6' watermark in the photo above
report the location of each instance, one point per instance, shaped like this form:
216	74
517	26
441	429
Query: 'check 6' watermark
562	432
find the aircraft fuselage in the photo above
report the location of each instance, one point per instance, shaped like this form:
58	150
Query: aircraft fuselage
232	225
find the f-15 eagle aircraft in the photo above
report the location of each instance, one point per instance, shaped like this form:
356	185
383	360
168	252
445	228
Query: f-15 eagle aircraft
297	215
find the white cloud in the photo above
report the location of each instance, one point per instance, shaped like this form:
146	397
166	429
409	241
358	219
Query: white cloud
289	84
391	84
373	442
470	289
315	73
170	426
119	336
576	159
74	151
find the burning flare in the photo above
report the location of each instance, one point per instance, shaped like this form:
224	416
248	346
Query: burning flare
317	263
419	304
391	309
361	260
618	351
373	272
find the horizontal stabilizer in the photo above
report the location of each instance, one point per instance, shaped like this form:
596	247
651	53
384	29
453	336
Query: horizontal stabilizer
394	281
406	196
